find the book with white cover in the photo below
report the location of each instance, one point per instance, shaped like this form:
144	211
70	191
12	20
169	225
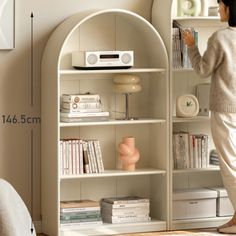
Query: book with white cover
77	98
84	114
124	205
125	219
132	211
79	209
72	106
84	119
126	199
79	225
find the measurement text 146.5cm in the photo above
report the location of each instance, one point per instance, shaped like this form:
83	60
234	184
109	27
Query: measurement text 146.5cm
20	119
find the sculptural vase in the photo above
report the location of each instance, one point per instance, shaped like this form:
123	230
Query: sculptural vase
128	153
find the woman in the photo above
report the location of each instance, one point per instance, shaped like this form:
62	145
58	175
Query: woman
219	62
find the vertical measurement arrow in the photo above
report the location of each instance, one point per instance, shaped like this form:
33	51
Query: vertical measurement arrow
32	59
32	178
32	132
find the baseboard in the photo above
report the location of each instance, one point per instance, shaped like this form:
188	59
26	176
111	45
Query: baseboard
38	226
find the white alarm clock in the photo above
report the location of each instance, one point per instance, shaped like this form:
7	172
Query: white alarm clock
187	106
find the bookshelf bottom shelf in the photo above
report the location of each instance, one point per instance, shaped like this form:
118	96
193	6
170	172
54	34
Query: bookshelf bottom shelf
199	223
112	229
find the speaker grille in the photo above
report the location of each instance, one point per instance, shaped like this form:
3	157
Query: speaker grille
92	59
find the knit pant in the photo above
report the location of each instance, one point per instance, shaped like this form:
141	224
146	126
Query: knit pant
223	128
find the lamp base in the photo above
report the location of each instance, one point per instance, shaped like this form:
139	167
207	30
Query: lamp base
127	116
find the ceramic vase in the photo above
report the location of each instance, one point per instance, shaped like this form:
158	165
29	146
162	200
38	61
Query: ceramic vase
128	153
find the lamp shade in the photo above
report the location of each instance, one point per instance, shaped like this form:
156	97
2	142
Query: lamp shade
126	83
126	79
126	88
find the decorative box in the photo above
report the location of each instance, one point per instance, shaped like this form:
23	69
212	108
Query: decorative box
194	203
223	205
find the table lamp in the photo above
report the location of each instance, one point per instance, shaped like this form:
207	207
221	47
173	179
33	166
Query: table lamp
126	84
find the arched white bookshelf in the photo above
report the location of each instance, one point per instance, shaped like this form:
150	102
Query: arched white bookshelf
112	29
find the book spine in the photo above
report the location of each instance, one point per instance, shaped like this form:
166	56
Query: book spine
91	159
95	110
133	212
141	200
115	220
79	209
71	106
191	163
77	162
98	154
125	205
78	225
61	158
81	160
86	163
82	213
66	217
80	220
195	152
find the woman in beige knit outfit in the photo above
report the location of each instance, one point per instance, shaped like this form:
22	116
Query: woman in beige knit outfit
219	62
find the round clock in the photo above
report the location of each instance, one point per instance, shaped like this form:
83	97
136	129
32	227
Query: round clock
187	105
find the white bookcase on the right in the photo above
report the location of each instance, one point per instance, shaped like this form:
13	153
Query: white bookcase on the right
184	81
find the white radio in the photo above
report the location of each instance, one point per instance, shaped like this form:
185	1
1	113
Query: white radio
102	59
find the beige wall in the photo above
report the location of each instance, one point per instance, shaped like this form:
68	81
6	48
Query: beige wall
19	142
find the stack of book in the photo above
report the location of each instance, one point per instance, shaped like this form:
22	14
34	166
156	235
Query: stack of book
179	48
129	209
80	156
82	107
190	150
79	213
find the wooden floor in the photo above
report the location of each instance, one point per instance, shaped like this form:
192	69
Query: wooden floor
203	232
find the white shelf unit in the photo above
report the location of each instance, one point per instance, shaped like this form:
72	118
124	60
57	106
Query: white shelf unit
112	29
185	81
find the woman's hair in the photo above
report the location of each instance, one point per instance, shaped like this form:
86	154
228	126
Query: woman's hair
232	10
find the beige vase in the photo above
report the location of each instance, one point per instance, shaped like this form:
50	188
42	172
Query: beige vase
128	153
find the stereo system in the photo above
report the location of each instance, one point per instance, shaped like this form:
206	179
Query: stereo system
102	59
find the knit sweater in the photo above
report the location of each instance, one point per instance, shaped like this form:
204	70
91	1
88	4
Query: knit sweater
219	62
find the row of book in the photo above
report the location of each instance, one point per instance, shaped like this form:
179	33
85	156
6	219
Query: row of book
79	156
78	213
190	150
82	107
179	49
